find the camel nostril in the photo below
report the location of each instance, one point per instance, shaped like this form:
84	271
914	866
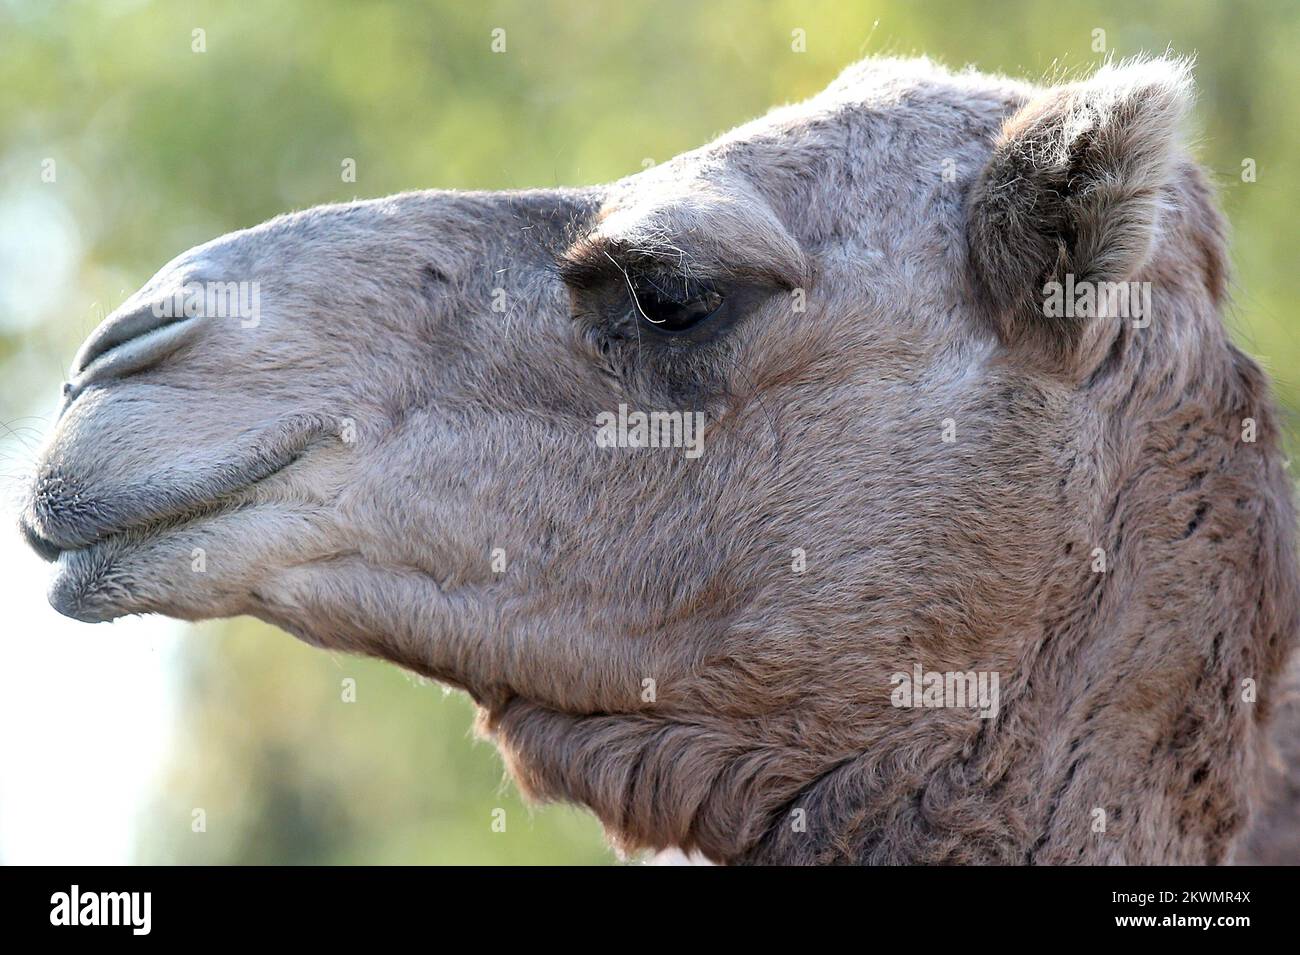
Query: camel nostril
127	344
118	331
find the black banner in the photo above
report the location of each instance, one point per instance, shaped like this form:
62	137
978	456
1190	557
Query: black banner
955	905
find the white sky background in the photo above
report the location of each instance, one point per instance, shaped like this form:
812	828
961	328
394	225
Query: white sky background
86	711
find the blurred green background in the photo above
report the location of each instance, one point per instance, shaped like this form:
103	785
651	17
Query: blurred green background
157	147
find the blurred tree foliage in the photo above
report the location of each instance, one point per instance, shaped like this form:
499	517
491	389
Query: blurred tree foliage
157	147
298	756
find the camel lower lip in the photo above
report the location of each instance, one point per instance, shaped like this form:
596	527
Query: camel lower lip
83	586
73	579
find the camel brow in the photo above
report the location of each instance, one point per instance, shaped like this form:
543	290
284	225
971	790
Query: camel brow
594	260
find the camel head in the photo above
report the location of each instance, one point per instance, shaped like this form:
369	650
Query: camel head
680	476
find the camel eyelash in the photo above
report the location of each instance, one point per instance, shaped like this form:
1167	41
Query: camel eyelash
590	263
632	291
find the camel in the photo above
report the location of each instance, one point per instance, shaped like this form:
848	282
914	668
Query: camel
921	469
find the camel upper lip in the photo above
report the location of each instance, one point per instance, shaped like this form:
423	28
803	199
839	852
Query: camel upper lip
61	518
50	552
140	512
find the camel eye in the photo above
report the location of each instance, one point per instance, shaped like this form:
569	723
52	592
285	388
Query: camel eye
679	312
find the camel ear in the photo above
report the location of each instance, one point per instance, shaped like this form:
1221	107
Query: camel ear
1073	189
